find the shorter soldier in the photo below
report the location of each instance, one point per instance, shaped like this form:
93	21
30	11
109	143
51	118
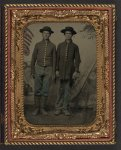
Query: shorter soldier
68	60
43	69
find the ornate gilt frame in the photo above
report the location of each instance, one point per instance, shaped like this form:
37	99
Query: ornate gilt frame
17	129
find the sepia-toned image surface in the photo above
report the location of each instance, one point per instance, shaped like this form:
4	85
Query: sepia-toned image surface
60	73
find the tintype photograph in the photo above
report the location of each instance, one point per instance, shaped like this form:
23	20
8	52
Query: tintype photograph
60	73
59	76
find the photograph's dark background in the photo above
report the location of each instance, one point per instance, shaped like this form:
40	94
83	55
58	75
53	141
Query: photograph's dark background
117	146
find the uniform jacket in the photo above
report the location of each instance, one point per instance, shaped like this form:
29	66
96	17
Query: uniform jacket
44	54
68	59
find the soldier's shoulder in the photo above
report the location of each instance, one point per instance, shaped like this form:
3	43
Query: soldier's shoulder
75	45
38	43
52	44
60	44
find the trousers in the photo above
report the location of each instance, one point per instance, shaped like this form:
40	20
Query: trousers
43	76
63	97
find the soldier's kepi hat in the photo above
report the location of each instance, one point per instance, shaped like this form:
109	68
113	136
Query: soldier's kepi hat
46	28
68	29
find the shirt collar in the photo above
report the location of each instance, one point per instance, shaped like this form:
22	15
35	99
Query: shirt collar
44	41
68	42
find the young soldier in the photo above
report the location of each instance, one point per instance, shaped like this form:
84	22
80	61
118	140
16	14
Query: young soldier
68	60
42	69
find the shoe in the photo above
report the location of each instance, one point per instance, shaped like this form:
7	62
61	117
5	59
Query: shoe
35	112
42	105
44	112
66	112
57	112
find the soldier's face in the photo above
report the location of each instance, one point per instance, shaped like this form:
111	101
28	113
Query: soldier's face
46	35
68	35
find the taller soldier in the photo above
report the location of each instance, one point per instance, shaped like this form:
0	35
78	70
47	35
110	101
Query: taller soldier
43	69
68	60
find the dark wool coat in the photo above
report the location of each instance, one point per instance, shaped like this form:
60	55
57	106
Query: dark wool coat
44	54
68	59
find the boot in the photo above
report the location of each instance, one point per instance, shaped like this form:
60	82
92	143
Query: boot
66	112
37	105
57	112
42	106
65	109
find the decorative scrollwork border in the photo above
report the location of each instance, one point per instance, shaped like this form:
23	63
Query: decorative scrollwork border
109	65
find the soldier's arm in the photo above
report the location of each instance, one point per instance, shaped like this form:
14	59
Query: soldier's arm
57	58
77	59
54	60
33	60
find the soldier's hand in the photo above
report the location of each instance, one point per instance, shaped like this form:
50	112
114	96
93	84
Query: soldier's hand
75	75
33	75
57	74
